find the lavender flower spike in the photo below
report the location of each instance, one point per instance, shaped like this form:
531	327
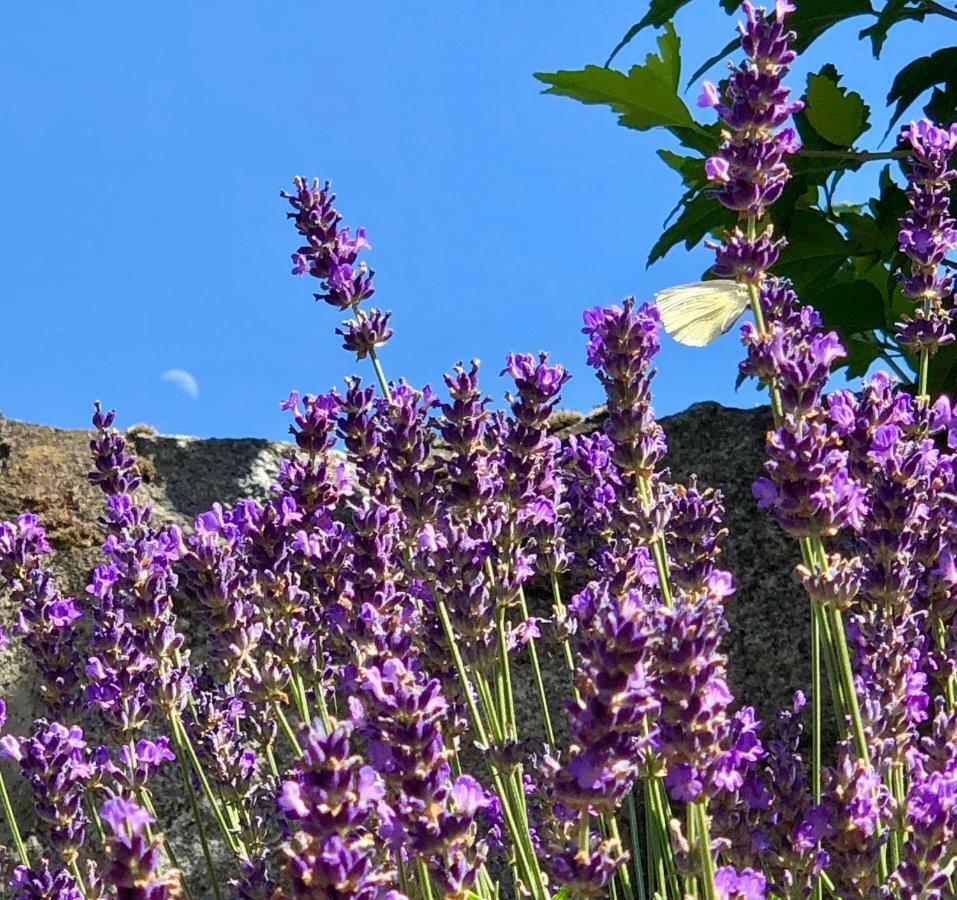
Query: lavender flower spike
134	859
927	234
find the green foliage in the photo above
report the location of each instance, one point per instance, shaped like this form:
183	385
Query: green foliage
647	97
839	116
917	77
841	257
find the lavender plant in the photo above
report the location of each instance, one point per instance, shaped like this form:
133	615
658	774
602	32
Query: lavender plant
346	725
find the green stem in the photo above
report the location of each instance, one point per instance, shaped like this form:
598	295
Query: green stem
147	802
271	758
374	359
624	873
526	859
302	702
537	671
559	606
425	883
194	806
635	845
704	845
80	883
940	638
287	730
847	680
12	824
854	155
182	741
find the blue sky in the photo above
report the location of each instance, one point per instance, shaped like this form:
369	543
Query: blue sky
142	231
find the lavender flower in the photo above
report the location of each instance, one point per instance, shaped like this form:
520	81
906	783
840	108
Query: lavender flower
749	168
932	841
46	620
329	252
134	858
622	342
615	643
331	801
744	885
434	814
927	235
136	629
56	763
808	488
29	884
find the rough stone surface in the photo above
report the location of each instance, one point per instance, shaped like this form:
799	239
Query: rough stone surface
42	469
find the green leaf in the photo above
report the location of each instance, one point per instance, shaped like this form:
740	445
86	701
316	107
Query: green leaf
809	22
660	13
894	12
645	98
836	114
814	17
815	251
701	215
851	308
690	168
942	106
918	76
860	356
940	378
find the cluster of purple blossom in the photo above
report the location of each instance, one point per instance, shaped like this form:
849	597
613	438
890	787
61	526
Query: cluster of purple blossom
360	626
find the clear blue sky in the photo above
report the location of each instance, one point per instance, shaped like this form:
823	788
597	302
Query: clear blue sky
141	229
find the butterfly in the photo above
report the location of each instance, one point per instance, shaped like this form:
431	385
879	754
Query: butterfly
697	314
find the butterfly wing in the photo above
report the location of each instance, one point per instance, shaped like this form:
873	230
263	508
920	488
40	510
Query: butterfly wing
699	313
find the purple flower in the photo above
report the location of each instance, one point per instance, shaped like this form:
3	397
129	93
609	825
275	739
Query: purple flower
744	885
927	235
331	801
45	619
30	884
56	763
622	342
329	252
133	868
749	166
364	334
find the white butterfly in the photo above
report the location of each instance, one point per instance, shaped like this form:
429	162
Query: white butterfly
696	314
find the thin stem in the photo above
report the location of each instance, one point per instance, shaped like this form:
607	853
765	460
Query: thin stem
560	612
425	883
853	155
847	679
624	874
524	853
707	859
940	638
12	824
537	671
80	883
182	741
287	730
374	358
635	845
147	801
923	373
194	806
271	759
658	550
302	702
940	10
